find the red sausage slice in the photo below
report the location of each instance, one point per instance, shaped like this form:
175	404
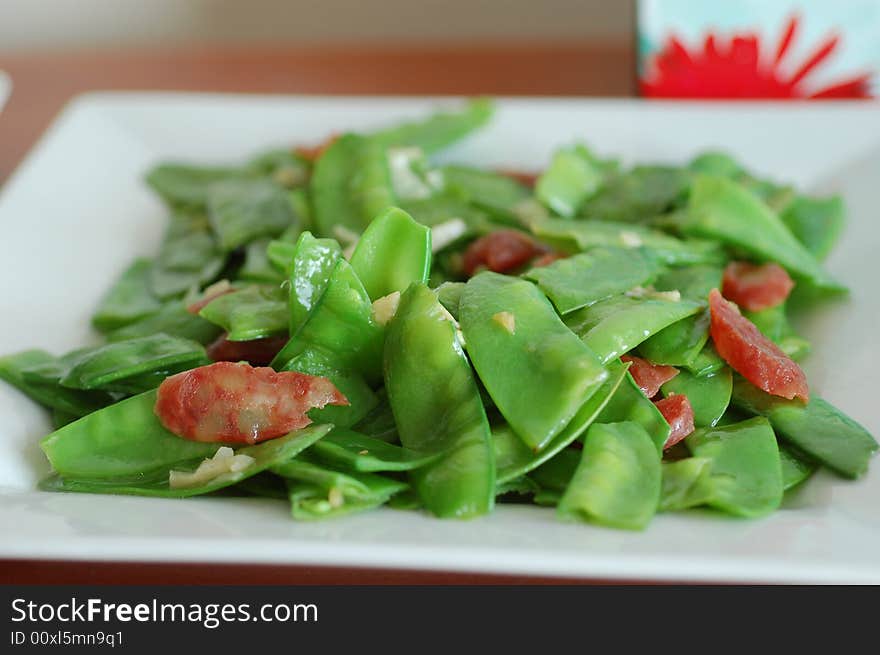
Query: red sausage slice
677	411
237	403
751	354
650	377
501	251
258	352
755	287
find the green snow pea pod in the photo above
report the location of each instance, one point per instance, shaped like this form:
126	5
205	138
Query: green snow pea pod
350	184
796	467
538	373
393	252
629	404
251	313
264	485
361	399
556	473
681	343
437	408
449	294
189	256
123	439
581	280
724	210
615	326
174	320
314	261
708	361
126	366
243	210
686	483
714	162
285	167
341	330
71	402
493	192
309	502
617	482
346	485
359	452
709	395
184	185
746	474
818	428
445	206
156	482
547	497
280	254
571	178
816	222
638	195
440	130
521	486
379	423
128	300
513	458
258	267
586	234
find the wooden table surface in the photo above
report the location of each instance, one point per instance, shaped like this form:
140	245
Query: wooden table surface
44	82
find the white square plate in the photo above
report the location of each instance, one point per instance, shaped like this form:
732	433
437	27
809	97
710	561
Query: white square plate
76	212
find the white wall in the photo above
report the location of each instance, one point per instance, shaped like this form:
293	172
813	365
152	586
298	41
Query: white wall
37	24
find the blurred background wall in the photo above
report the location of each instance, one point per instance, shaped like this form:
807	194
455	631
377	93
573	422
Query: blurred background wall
48	24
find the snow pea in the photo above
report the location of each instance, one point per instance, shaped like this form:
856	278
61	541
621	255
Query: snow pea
352	485
70	402
538	373
686	483
449	294
614	326
264	485
709	395
437	408
251	313
184	185
722	209
444	206
128	300
243	210
340	330
629	404
258	266
521	486
681	343
284	166
487	190
125	366
155	482
556	473
796	467
379	423
123	439
174	320
314	261
309	502
584	279
746	474
818	428
816	222
350	184
708	361
358	452
571	178
393	252
586	234
513	458
638	194
189	256
440	130
617	482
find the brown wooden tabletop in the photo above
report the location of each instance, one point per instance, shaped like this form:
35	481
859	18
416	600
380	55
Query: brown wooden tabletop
44	82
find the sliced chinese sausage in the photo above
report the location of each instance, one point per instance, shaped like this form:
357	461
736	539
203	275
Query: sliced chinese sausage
756	286
237	403
751	354
501	251
649	377
679	413
258	352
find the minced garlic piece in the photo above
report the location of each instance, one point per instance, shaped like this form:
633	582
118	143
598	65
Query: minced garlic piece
224	461
385	308
506	320
335	497
630	239
674	295
288	176
446	233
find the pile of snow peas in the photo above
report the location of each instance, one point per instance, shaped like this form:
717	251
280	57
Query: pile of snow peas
563	337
